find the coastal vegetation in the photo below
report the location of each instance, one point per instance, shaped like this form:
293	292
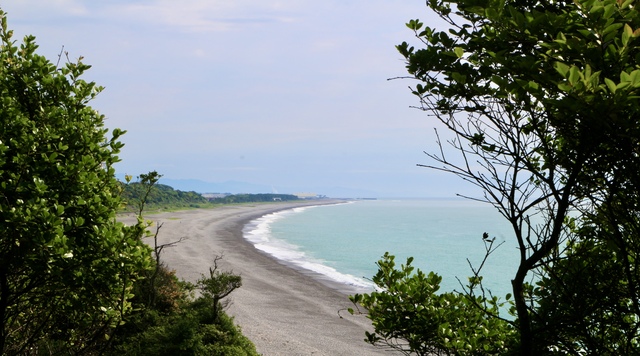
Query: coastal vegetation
254	198
538	105
164	197
74	280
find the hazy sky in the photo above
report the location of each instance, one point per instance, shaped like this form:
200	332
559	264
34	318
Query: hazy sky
291	94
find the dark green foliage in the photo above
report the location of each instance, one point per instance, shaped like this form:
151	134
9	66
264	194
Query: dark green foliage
594	311
541	103
72	279
189	333
162	196
167	320
254	198
165	197
217	286
66	266
178	325
410	316
165	295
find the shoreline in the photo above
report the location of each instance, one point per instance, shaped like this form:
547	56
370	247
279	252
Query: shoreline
281	308
328	281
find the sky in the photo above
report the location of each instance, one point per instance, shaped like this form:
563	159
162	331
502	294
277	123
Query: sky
290	94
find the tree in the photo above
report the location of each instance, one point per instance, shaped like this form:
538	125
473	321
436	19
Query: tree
218	286
66	266
147	193
540	101
178	324
409	315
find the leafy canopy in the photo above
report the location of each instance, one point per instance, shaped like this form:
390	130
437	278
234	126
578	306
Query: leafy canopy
66	266
540	100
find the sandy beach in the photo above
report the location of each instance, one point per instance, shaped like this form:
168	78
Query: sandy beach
284	311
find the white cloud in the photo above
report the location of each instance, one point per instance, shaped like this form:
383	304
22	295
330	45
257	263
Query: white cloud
42	9
206	16
282	82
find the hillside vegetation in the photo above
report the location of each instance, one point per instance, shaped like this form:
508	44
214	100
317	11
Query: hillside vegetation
164	197
254	198
73	279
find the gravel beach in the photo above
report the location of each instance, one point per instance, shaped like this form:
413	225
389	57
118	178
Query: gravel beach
284	311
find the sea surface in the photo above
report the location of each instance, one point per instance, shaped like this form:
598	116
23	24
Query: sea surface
344	241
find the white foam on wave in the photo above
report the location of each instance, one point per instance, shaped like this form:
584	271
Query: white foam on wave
258	232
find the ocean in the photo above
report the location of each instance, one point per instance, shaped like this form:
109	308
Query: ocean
344	241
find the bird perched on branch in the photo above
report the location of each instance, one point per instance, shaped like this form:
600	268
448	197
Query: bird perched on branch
485	237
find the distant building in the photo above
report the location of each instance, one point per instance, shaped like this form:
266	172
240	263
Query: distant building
211	196
307	195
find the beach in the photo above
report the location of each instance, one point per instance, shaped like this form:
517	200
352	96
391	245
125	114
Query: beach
283	310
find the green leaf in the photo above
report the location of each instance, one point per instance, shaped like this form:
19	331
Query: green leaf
609	10
561	38
611	85
574	75
458	77
562	68
625	77
491	13
612	28
459	51
626	4
634	78
627	34
414	25
595	9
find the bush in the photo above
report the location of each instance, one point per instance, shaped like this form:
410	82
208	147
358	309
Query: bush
176	324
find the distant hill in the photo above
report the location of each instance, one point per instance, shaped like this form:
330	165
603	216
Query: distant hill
251	198
162	196
236	187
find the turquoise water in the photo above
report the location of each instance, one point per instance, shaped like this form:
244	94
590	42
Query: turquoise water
344	241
